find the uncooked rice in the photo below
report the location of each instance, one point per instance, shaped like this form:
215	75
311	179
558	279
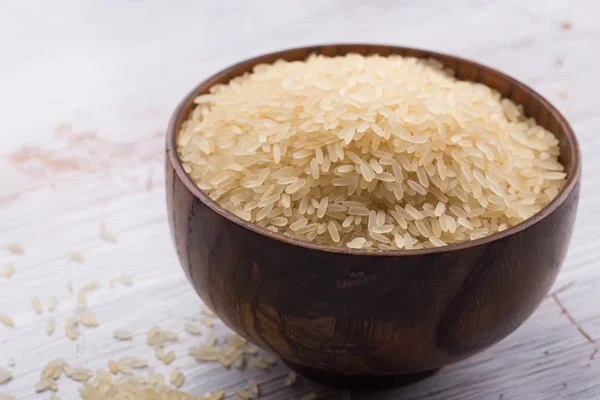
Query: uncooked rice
192	329
82	294
50	325
16	248
71	328
81	374
126	280
6	320
52	303
9	270
167	357
231	350
242	394
106	235
253	387
208	321
134	362
369	152
177	378
37	305
207	311
291	378
46	384
77	257
157	337
88	318
5	376
121	334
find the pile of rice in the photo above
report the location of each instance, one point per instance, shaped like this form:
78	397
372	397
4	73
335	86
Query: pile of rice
369	152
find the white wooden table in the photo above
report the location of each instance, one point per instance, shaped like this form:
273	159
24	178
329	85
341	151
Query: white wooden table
86	90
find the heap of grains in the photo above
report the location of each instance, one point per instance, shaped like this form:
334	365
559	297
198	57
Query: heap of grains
369	152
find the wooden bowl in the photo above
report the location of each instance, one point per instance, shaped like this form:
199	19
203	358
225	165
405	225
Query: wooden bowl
335	311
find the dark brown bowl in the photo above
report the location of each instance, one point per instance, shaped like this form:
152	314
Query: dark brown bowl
341	311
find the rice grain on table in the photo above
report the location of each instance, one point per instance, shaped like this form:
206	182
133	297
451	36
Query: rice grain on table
50	325
192	329
106	235
134	362
242	394
126	279
9	270
77	257
253	387
52	303
167	357
5	376
177	378
121	334
88	318
37	305
71	328
207	311
291	378
81	374
46	384
51	371
16	248
369	152
6	320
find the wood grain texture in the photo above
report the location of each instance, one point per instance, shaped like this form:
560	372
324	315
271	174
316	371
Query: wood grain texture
359	312
87	89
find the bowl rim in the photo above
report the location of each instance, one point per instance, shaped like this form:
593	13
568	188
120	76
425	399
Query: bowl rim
180	113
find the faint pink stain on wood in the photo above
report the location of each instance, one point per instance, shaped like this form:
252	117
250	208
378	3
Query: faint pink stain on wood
559	61
9	199
566	26
149	184
85	151
48	158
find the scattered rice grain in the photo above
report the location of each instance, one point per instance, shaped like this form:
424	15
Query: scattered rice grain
50	325
126	279
242	394
121	334
6	320
52	303
77	257
16	248
5	376
291	378
9	270
253	386
192	329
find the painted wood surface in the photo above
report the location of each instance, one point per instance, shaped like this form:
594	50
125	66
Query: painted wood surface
86	91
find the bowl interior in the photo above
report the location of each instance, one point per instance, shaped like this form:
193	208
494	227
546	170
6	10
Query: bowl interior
534	105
